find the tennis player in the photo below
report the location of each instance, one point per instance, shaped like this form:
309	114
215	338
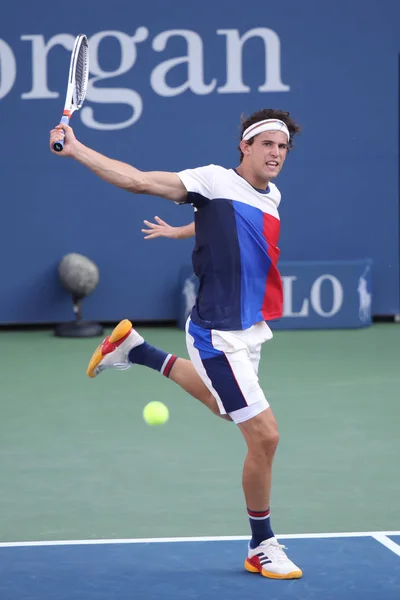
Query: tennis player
235	258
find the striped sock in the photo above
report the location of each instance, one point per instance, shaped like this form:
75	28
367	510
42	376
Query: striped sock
260	526
149	356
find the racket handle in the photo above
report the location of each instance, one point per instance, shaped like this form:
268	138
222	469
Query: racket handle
59	146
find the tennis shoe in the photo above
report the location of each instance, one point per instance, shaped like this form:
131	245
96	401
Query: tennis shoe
270	560
113	351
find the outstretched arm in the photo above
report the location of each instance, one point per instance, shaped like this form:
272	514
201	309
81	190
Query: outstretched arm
162	229
156	183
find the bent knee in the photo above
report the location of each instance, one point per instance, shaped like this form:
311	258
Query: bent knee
270	440
262	436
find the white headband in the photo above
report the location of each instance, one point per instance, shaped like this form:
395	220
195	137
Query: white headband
267	125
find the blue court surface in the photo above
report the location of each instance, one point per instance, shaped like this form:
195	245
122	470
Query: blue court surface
335	566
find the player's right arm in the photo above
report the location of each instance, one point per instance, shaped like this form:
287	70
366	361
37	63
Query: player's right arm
155	183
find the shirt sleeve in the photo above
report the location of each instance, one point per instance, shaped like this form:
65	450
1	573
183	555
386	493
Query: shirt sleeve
199	184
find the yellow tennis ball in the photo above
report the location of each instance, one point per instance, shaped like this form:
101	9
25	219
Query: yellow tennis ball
155	413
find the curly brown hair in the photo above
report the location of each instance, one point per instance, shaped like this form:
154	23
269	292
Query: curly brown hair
269	113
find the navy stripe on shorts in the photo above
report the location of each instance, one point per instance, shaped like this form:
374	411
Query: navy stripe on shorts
218	369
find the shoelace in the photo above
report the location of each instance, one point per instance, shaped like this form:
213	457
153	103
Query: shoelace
274	551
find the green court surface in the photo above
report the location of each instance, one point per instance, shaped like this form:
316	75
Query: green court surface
77	460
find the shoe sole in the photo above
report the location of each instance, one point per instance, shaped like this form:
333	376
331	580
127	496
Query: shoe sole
252	569
120	331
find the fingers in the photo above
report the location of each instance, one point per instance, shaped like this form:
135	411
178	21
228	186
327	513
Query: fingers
62	128
153	234
155	230
62	132
149	231
58	132
160	221
149	224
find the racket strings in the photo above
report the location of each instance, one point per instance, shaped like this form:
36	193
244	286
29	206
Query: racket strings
81	74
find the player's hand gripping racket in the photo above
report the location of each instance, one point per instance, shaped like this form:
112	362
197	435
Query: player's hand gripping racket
77	82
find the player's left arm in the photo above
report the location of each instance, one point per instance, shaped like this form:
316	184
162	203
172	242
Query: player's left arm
162	229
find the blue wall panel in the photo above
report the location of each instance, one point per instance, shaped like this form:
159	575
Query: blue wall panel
337	67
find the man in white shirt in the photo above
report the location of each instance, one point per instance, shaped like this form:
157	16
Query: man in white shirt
235	258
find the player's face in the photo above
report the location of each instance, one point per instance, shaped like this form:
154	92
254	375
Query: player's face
267	154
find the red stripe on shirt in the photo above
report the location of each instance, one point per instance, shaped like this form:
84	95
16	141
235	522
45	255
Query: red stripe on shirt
272	307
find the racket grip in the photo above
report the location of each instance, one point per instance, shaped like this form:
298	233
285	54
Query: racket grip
59	146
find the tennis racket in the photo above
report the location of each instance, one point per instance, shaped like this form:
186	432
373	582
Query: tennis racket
77	82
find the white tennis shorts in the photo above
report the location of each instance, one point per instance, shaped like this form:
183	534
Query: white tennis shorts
227	362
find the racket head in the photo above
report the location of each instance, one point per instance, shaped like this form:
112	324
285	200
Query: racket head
78	74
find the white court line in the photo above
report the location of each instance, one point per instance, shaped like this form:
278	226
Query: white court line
381	537
293	536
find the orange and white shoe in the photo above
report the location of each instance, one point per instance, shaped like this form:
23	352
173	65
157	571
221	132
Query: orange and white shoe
270	560
113	351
